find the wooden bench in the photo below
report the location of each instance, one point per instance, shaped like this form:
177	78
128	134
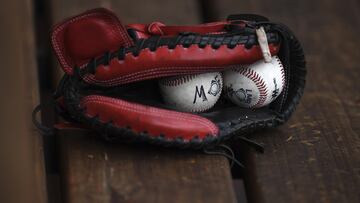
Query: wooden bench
315	157
22	171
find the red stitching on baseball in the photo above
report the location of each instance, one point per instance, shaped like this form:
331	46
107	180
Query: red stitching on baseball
281	70
259	82
175	81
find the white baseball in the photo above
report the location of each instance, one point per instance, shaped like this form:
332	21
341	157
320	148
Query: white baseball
192	93
255	85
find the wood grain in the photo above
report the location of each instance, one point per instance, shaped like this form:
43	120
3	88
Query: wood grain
316	156
93	171
140	11
22	174
96	171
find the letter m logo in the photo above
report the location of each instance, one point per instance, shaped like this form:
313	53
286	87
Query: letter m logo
199	93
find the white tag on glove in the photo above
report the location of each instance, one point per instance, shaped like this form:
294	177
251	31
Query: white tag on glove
264	46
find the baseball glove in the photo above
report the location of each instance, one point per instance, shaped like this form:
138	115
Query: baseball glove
112	70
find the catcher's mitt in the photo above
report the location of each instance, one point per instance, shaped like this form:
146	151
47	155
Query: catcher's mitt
111	73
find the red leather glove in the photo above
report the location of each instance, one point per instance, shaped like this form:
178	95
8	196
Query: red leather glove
111	71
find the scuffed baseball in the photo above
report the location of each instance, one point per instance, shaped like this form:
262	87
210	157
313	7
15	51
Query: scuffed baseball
255	85
192	93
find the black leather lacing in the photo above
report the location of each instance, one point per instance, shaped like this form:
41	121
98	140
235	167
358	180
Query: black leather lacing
235	35
257	146
225	151
42	128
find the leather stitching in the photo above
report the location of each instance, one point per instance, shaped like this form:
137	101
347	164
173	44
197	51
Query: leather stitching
138	109
158	112
151	73
132	77
59	49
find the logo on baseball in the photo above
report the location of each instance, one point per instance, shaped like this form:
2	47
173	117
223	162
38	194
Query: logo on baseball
192	93
255	85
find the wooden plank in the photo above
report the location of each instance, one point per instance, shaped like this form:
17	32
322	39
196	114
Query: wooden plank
316	156
141	11
93	171
96	171
22	177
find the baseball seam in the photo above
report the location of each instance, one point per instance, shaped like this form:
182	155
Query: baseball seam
281	70
259	82
175	81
